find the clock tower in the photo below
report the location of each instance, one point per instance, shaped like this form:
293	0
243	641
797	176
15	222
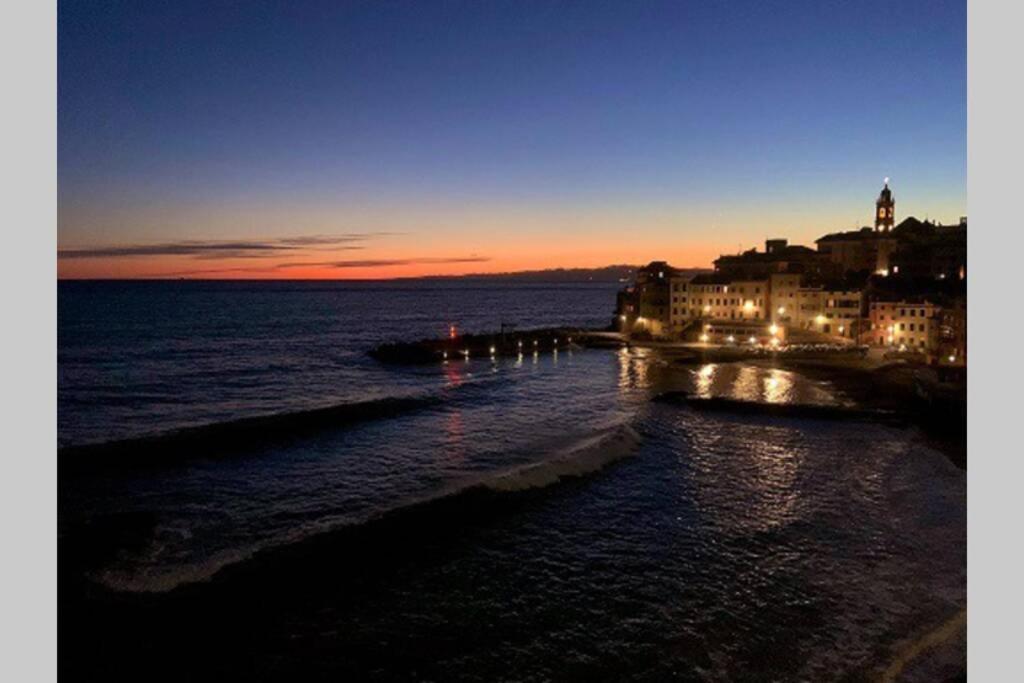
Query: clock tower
884	207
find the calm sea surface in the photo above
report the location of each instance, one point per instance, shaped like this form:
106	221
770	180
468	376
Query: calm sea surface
437	542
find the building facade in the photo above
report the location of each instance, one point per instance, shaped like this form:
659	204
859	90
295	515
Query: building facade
644	306
904	325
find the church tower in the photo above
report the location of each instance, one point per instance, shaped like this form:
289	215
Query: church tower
884	208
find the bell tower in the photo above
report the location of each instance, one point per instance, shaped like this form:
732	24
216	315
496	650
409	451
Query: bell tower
884	208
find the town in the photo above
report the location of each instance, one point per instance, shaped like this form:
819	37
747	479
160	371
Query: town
893	289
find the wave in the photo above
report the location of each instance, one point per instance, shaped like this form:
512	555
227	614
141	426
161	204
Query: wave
232	436
407	526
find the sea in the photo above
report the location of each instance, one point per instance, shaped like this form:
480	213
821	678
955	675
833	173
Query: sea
245	494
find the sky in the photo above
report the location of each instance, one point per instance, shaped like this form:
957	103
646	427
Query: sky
379	139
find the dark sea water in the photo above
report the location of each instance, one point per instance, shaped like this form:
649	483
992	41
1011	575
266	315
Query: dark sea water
443	538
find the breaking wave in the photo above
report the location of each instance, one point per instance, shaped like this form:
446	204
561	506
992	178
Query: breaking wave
236	435
403	525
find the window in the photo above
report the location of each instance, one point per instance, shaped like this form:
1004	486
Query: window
913	312
903	326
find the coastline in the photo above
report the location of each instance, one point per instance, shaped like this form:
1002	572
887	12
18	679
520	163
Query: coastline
909	391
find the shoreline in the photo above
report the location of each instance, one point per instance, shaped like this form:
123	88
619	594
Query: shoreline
900	389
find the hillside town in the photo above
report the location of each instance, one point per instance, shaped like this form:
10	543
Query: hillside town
899	289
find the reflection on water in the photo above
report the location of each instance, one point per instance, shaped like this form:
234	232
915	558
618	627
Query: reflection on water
705	379
454	450
778	387
764	385
634	368
761	464
747	384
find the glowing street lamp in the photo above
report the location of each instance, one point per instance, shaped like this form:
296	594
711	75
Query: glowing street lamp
773	329
704	337
782	310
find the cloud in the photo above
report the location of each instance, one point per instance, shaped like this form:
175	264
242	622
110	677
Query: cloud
361	263
211	249
380	263
326	240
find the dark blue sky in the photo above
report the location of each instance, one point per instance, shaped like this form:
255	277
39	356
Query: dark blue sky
666	117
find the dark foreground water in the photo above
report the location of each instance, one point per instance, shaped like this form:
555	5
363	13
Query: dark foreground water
528	519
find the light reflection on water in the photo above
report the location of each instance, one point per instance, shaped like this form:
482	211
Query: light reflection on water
634	369
759	384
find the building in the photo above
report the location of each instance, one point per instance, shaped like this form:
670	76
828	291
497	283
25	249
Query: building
885	208
680	316
644	305
930	250
721	306
783	293
904	325
952	342
865	250
885	286
778	257
718	297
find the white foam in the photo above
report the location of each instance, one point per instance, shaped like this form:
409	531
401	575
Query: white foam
590	455
582	457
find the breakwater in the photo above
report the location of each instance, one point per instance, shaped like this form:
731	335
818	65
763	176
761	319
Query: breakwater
490	345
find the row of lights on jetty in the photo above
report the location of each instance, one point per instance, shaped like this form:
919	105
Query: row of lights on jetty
494	351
